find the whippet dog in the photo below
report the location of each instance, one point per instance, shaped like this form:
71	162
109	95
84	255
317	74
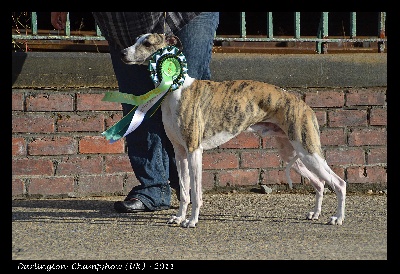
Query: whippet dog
202	115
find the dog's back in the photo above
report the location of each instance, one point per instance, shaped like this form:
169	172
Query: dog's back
208	108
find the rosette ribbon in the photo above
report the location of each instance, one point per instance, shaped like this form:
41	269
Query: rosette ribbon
168	70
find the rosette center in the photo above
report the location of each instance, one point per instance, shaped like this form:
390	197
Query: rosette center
171	68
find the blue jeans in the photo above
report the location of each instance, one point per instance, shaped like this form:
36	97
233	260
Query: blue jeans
150	151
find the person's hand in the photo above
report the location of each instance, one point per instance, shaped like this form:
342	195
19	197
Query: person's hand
58	19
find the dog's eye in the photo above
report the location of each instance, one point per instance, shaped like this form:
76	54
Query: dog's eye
146	43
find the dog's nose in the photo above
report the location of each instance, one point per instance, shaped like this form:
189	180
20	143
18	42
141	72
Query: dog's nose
124	53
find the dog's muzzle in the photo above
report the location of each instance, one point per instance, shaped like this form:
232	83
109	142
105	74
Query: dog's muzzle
124	56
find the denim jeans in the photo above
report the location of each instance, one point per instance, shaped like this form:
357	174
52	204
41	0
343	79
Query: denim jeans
150	152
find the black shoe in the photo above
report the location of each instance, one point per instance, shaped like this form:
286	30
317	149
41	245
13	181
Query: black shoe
129	206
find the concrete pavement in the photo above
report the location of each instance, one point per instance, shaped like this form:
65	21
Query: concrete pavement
232	226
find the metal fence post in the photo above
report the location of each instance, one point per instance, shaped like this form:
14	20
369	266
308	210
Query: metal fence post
270	25
381	31
243	24
322	47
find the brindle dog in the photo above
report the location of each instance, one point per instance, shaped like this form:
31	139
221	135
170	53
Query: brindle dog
204	114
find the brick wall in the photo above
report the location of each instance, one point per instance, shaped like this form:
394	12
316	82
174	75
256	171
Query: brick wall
57	149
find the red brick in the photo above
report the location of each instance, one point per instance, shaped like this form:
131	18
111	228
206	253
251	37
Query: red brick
321	117
259	159
130	182
377	155
93	101
52	146
79	164
238	177
277	176
378	117
50	102
332	137
364	97
99	144
100	185
17	101
112	119
117	163
232	162
368	136
220	160
17	187
32	123
339	171
208	181
18	146
28	166
370	174
243	140
325	99
345	156
80	122
269	142
350	117
51	186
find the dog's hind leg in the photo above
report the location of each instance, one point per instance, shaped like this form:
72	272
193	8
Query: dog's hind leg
318	187
339	186
184	184
290	156
287	170
318	166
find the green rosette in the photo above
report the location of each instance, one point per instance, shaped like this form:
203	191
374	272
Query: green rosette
168	61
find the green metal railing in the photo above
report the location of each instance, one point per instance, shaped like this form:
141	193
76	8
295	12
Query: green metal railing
321	39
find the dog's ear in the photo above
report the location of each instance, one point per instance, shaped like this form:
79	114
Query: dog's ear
173	40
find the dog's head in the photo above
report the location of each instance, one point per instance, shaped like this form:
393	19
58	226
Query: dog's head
146	45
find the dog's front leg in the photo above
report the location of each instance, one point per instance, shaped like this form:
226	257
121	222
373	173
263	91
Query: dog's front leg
195	161
184	184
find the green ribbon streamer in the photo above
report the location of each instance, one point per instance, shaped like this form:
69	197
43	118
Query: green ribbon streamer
118	130
121	97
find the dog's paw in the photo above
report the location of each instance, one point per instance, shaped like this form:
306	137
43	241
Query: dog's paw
335	221
175	220
312	215
187	224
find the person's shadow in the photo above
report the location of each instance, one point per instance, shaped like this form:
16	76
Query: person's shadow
101	211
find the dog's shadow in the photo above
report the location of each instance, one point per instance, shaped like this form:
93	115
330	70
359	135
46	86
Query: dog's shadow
102	211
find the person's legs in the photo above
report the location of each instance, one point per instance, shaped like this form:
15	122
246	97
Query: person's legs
197	39
147	144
